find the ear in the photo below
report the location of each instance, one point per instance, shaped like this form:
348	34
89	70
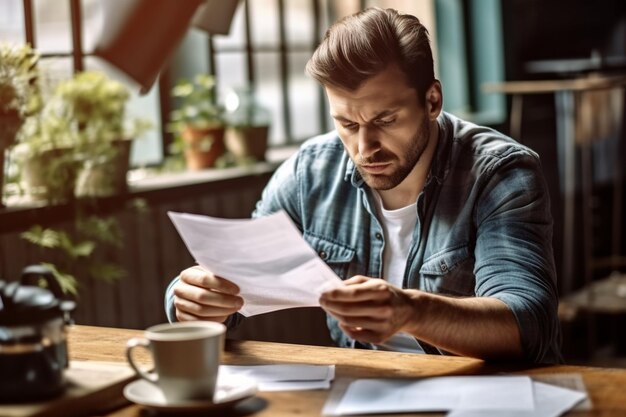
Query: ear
434	100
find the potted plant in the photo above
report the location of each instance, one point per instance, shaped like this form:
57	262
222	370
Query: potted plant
73	253
83	129
197	122
19	95
248	126
46	158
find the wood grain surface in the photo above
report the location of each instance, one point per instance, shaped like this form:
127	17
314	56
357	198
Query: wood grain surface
606	386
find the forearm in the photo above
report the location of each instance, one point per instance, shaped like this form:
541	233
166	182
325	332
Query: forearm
479	327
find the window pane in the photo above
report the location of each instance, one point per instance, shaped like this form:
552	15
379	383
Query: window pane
191	57
341	8
488	58
268	90
236	38
264	22
92	23
452	62
231	71
299	22
303	98
54	70
52	28
12	21
148	149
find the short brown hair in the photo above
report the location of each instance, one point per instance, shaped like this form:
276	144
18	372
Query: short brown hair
362	45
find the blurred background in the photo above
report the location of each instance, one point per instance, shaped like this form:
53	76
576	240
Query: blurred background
549	73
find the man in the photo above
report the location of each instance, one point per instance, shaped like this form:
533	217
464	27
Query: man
440	228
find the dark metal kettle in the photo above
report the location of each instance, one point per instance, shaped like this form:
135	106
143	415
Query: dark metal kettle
33	336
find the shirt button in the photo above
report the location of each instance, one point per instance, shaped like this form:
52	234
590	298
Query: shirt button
379	236
323	254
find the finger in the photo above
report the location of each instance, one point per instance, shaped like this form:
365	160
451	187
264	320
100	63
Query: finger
371	290
207	297
201	310
368	323
357	279
382	311
365	335
206	279
182	316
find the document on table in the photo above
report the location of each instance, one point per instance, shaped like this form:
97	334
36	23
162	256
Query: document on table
266	257
549	401
372	396
463	396
285	377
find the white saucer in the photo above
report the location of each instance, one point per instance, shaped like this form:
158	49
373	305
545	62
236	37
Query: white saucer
230	390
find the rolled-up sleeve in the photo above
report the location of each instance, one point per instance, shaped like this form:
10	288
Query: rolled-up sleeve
514	255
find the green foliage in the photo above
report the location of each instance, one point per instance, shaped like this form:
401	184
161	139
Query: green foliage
106	230
19	91
196	104
77	251
85	113
80	127
66	281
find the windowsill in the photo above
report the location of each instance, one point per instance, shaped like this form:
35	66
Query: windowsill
142	182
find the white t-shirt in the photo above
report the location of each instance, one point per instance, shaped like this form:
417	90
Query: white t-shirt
398	226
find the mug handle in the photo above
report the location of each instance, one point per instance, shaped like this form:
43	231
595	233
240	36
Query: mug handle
130	346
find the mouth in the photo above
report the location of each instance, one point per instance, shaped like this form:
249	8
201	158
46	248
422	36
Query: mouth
375	168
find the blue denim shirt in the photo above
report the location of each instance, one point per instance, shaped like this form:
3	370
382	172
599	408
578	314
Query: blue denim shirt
484	226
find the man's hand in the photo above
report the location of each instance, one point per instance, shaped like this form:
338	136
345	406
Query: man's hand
200	295
369	309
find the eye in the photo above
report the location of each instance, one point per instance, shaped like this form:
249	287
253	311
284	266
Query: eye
350	126
384	122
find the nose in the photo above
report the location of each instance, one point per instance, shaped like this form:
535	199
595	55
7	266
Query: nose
369	142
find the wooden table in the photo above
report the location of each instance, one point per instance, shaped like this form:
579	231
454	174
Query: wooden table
606	387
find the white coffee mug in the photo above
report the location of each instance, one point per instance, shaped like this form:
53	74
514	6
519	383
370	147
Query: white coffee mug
186	358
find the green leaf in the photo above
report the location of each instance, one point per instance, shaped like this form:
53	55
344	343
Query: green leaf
106	272
104	230
183	89
83	249
46	238
67	282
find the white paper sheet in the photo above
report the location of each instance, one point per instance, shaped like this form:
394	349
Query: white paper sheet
285	377
550	401
267	258
371	396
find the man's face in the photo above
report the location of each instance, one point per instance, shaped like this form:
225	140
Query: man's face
382	126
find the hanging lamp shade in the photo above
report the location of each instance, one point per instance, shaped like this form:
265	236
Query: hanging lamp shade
141	35
215	16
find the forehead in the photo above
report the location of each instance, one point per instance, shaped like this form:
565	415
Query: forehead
386	90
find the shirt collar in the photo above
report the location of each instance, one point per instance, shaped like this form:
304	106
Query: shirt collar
440	166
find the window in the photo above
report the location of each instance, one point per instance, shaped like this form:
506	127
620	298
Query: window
50	26
469	36
267	48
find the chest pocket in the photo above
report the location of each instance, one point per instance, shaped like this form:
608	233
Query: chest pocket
449	272
337	256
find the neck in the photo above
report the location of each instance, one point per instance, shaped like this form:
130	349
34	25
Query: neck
407	191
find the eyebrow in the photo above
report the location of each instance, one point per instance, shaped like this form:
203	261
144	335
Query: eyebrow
380	115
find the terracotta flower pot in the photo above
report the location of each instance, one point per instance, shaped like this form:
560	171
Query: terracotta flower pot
249	141
51	175
106	177
10	123
203	146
